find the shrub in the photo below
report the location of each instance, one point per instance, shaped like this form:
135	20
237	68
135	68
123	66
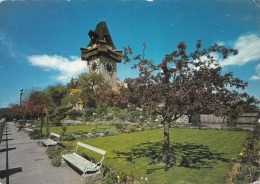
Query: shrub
35	134
59	114
111	177
54	153
247	174
73	114
56	161
64	129
112	132
249	170
69	137
133	129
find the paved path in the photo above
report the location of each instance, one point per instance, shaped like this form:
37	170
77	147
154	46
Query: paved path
30	162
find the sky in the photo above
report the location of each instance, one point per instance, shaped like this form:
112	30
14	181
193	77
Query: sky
40	40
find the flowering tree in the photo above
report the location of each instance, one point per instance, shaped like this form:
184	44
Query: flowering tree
181	84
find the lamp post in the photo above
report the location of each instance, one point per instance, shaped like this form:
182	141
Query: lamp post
21	94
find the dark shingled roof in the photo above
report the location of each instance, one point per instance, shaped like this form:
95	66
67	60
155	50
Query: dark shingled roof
101	34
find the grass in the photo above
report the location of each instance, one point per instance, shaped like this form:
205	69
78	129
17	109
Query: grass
201	156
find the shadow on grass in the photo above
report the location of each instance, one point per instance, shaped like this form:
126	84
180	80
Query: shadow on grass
182	155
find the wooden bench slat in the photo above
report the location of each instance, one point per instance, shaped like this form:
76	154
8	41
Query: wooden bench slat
100	151
80	162
50	142
56	135
74	161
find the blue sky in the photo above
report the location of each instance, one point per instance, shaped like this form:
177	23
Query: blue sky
40	40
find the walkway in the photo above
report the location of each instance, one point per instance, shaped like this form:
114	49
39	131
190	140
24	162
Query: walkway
28	162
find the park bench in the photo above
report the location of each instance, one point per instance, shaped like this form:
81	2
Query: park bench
29	130
82	164
52	140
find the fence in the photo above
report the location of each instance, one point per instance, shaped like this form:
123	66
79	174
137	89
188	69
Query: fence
246	118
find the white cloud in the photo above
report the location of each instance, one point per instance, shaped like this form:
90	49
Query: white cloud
7	45
257	3
258	68
248	47
66	67
256	77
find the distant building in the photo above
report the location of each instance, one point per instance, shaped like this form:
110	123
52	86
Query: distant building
183	120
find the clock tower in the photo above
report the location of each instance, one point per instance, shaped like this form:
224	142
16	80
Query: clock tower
101	54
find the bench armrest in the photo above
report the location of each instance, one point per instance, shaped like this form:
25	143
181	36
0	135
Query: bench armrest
101	161
69	151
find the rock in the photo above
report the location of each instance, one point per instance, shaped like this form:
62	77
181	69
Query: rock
88	178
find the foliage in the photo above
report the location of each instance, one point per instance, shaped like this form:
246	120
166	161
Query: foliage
69	137
59	114
183	84
88	114
92	87
7	113
54	153
111	177
101	108
247	174
249	170
38	101
64	129
74	114
57	93
56	161
235	105
120	127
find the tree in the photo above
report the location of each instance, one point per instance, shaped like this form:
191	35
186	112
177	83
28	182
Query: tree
57	93
237	104
38	102
6	113
92	87
181	84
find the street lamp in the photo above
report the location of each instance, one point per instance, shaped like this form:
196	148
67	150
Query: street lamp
21	94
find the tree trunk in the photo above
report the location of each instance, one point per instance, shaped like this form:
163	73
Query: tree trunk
166	143
42	119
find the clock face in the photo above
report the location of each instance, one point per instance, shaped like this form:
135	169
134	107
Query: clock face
109	67
93	65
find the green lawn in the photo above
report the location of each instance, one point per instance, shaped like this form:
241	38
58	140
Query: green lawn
202	156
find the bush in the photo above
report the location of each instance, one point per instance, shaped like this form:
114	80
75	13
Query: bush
73	114
69	137
59	114
249	171
247	174
111	177
56	161
112	132
54	153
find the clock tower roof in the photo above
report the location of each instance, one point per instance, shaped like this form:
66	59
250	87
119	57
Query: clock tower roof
101	35
100	43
